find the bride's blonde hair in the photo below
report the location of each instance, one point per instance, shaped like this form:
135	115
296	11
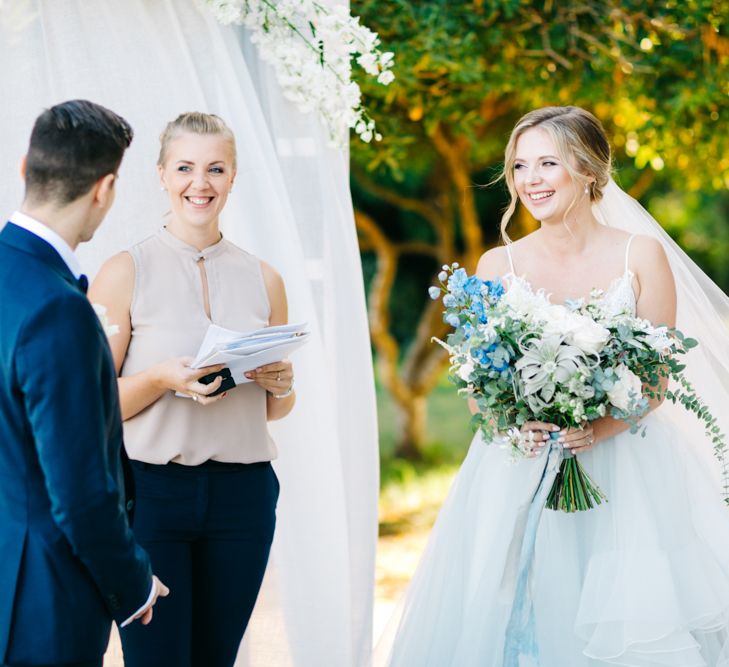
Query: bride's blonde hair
581	144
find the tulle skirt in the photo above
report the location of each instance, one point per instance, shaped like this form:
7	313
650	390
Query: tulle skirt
642	580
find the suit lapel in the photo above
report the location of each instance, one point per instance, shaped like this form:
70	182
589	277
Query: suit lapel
27	242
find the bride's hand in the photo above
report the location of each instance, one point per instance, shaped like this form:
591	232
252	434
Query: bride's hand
579	440
537	433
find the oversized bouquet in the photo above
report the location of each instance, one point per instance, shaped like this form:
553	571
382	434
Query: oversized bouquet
523	358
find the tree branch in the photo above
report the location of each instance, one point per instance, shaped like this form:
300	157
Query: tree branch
639	188
429	213
455	154
388	349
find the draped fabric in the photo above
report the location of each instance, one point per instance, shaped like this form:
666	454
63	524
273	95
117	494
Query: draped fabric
150	60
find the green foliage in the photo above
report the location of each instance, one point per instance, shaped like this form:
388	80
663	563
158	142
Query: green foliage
655	72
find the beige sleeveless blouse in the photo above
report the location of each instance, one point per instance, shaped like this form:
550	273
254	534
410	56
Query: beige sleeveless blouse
168	320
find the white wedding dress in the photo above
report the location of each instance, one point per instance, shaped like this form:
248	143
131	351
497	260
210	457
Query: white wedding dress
642	580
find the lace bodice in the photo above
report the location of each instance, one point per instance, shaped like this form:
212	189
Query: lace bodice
619	296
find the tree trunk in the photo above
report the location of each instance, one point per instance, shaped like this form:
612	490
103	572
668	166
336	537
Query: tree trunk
412	417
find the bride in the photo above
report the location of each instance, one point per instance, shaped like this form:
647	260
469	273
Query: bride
644	578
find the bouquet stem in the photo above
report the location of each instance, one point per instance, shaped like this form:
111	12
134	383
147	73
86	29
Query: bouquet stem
573	489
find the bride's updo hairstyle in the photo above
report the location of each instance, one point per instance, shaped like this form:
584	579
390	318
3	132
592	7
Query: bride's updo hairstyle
194	122
581	144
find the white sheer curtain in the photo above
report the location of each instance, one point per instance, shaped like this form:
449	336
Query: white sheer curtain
149	61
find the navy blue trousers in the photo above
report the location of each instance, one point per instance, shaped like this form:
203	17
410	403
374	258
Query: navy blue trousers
208	532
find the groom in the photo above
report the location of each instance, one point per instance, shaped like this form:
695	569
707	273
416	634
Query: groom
69	563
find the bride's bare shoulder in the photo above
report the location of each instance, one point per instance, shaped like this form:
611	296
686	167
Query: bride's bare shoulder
494	263
647	254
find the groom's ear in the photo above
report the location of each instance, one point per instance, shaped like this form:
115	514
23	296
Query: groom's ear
103	191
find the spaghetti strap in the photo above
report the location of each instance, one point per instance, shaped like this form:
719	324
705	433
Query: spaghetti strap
627	251
511	261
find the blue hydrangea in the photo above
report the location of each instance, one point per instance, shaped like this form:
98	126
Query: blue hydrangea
494	356
472	286
479	310
496	290
434	292
457	281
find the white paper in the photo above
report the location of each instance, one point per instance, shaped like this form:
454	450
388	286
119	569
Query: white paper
243	352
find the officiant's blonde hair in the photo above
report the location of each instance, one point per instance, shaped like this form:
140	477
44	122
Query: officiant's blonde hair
582	146
194	122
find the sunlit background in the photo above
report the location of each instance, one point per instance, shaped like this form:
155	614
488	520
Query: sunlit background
655	73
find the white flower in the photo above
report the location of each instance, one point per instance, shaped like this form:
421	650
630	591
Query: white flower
109	329
518	444
311	48
588	335
464	371
522	302
579	330
628	388
545	364
386	77
659	339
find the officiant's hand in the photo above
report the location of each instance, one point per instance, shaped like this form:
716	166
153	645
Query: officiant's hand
276	378
177	375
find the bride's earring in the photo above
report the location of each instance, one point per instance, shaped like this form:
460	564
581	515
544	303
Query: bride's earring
587	189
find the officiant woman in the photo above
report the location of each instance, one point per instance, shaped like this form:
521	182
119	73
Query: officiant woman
205	489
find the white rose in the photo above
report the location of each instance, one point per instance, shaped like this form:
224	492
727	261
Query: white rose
581	331
556	318
521	301
628	386
589	336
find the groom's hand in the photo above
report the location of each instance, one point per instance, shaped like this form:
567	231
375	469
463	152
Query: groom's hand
159	590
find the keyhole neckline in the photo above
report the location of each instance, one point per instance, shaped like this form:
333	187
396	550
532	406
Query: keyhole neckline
195	253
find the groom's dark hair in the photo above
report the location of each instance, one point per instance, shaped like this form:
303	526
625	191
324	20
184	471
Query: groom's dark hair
72	146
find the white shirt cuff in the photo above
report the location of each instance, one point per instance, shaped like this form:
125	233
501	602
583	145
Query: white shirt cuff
143	608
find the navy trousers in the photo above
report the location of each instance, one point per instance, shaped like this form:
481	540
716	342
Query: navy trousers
208	531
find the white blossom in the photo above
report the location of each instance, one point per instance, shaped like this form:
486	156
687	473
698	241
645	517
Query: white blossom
311	49
579	330
626	389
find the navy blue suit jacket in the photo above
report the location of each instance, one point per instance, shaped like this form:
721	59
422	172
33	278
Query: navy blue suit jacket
68	561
